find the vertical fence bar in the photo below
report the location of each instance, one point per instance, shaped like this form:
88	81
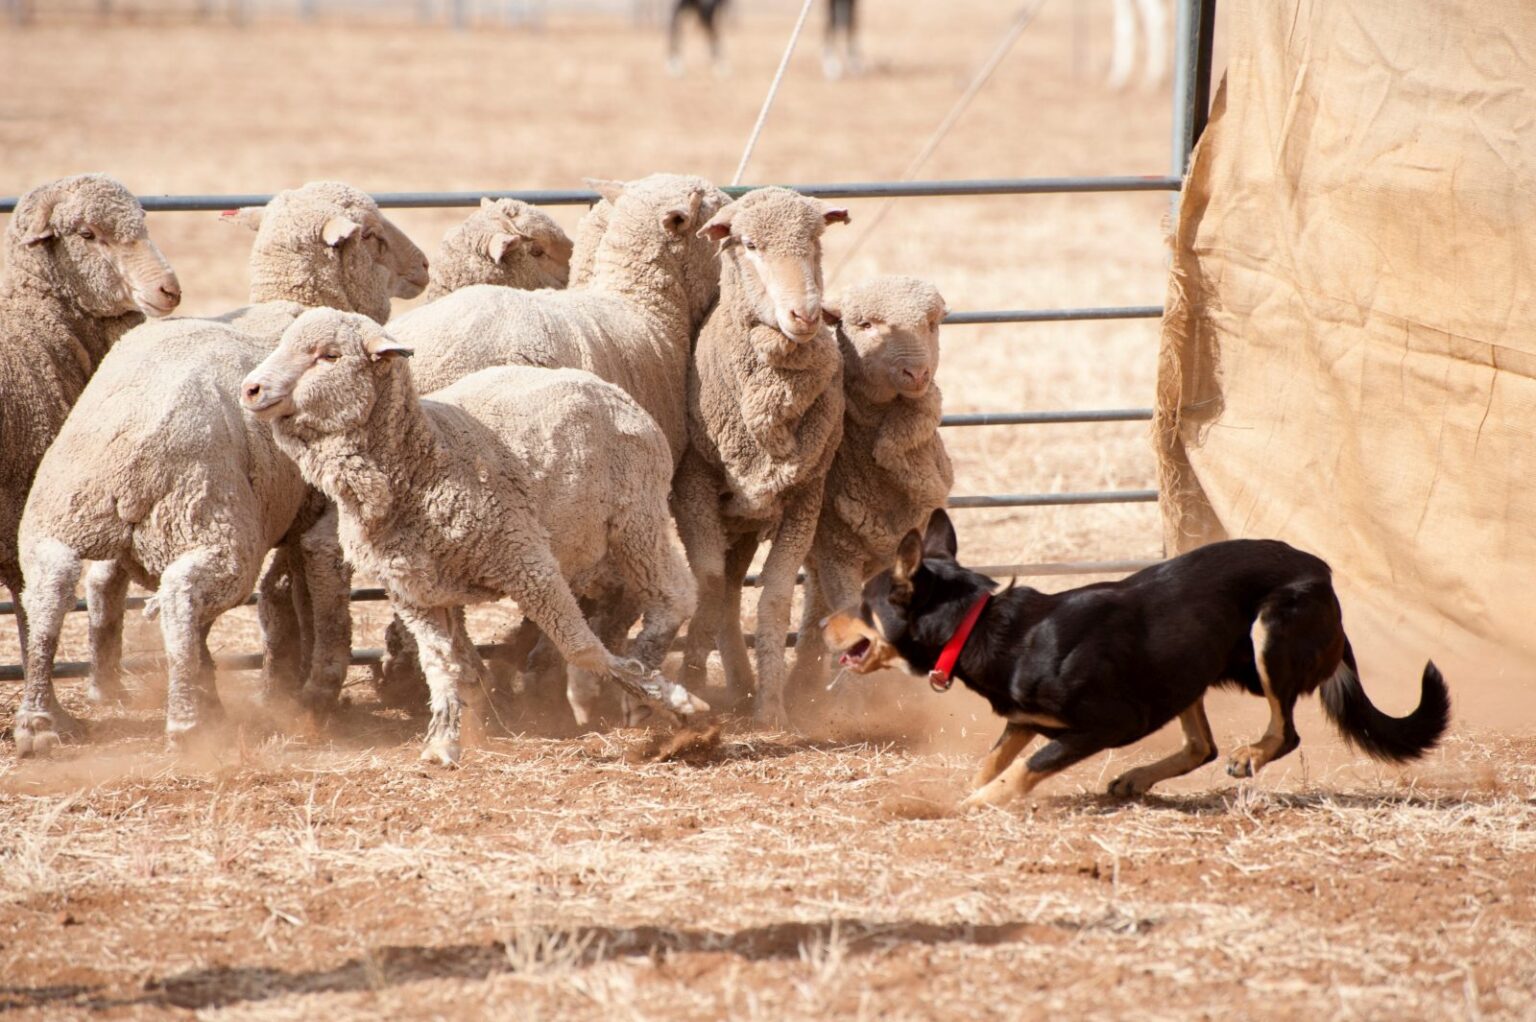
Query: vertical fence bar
1194	32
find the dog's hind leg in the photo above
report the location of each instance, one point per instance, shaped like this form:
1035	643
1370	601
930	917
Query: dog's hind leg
1276	678
1014	740
1199	749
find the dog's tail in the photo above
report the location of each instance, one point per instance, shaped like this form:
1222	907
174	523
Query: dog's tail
1378	735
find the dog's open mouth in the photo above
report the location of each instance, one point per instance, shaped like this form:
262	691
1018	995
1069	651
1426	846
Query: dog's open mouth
855	655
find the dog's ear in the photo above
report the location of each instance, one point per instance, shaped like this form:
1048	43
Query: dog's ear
939	541
909	557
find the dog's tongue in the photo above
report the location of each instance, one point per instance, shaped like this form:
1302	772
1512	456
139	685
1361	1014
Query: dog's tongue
847	660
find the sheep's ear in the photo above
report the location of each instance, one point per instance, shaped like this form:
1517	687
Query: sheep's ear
380	346
486	202
939	540
338	229
245	216
610	190
718	228
835	214
502	243
909	557
831	314
33	213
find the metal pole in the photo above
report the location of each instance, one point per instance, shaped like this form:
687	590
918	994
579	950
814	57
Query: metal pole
1194	29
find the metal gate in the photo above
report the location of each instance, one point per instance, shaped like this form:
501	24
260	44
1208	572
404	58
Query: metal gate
1194	32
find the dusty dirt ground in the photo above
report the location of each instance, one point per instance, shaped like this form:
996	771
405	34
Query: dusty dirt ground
296	873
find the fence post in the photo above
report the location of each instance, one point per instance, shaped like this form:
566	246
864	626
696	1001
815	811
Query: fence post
1194	31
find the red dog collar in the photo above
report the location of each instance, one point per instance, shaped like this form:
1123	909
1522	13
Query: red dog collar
942	675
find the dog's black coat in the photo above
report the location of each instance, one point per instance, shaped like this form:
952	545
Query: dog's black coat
1115	661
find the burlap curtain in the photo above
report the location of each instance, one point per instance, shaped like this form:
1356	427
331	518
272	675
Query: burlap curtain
1349	356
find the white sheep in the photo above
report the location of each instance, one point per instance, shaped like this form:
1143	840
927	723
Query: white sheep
438	498
891	470
631	324
80	272
765	411
504	242
161	474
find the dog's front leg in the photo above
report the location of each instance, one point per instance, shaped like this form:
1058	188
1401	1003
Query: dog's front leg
1014	740
1199	749
1022	775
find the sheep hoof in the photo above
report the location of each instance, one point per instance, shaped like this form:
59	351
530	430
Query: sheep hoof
656	688
106	692
35	735
320	700
442	752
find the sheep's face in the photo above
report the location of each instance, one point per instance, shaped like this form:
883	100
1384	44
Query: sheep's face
325	375
772	237
504	242
892	326
88	237
327	244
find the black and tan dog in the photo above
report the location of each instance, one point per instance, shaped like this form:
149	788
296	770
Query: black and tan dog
1104	665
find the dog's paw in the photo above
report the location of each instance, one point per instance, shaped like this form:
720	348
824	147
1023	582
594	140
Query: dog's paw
1130	784
991	794
1245	762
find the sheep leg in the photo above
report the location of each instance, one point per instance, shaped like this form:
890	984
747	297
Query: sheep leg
281	637
612	624
401	683
10	578
695	506
728	635
536	583
53	570
791	545
194	590
433	630
106	596
830	584
810	647
326	583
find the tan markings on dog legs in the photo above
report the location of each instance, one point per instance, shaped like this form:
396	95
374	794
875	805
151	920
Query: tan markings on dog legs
1037	720
1249	759
1016	781
1199	749
1014	740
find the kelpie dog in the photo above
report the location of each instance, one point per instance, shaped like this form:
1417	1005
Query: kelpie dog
1104	665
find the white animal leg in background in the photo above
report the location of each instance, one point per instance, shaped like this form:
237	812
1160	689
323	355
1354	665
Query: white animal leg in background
52	570
106	593
791	545
432	629
327	583
1123	55
1154	25
195	589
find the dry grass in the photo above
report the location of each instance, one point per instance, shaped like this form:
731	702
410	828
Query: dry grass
289	875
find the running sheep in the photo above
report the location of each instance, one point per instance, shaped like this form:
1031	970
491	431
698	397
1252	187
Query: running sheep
891	469
81	271
504	242
765	415
440	499
165	477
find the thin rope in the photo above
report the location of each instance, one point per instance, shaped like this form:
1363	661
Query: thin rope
773	90
983	74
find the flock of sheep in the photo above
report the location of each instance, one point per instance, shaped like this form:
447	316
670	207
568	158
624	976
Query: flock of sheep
545	443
